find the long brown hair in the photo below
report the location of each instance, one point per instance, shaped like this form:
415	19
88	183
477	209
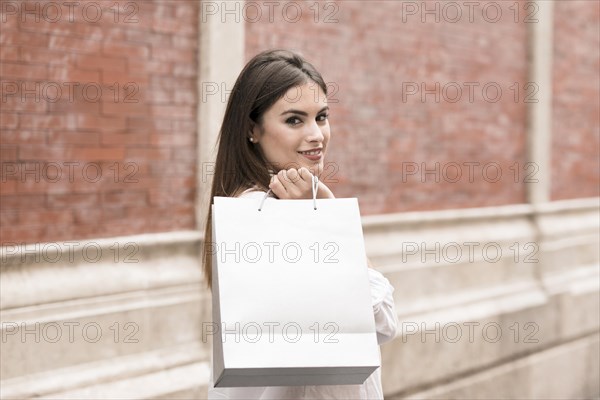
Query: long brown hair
240	164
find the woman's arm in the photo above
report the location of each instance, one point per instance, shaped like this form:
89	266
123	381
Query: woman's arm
386	318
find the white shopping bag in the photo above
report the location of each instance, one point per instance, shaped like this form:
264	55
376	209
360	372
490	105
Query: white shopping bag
291	295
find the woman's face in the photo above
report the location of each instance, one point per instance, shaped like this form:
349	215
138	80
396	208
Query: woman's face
294	132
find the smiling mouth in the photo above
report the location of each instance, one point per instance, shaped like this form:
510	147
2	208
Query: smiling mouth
310	153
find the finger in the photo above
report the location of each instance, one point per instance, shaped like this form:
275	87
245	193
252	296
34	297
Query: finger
293	175
305	174
289	183
299	186
277	187
283	179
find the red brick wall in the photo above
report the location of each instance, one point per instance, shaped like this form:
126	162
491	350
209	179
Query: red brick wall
378	139
384	137
576	106
141	141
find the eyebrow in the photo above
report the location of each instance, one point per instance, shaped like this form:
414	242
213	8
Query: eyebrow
292	111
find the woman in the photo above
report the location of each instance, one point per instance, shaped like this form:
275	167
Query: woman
273	139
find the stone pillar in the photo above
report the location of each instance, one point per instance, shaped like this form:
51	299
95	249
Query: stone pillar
221	60
539	131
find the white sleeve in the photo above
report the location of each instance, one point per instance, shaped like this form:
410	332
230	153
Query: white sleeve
386	318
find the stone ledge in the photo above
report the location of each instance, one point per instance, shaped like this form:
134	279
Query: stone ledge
10	255
120	368
479	213
103	305
528	318
161	260
85	331
567	371
183	382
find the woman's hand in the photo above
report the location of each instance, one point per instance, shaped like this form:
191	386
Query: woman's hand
297	184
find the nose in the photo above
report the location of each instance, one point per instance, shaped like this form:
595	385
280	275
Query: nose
315	132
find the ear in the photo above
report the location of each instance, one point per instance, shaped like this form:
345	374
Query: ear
255	132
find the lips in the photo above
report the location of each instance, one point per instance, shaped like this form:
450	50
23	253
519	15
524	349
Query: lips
313	155
312	152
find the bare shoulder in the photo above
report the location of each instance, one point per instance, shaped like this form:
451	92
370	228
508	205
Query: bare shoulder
254	193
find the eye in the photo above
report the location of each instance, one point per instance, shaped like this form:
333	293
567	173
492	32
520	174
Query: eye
323	117
290	121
